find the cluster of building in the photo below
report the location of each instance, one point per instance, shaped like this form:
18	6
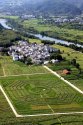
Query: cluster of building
37	52
25	17
70	20
59	20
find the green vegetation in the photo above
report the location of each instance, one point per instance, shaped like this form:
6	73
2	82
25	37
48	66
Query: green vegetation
53	30
36	94
31	94
8	17
59	7
18	68
76	26
72	34
7	37
7	117
35	40
69	54
33	91
10	37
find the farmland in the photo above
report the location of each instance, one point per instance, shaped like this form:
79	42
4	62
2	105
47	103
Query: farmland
34	93
54	31
38	26
8	17
18	68
70	54
30	95
34	90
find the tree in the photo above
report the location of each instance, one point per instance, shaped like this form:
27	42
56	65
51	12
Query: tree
73	62
59	57
77	65
29	61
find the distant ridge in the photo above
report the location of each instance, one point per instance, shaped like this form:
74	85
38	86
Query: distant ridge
59	7
55	7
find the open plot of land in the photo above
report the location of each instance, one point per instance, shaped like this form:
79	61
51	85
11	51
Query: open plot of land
41	94
9	68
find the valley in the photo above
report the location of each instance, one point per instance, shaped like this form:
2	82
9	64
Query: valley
41	62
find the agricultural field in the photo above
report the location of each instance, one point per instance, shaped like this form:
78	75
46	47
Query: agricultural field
8	17
41	94
38	26
35	40
10	67
54	30
36	92
70	54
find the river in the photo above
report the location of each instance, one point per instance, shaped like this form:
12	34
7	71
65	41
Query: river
56	40
3	22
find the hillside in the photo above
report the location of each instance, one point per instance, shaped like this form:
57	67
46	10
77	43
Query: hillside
77	3
59	7
1	27
55	7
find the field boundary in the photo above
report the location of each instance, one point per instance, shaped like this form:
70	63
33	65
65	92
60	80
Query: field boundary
4	74
8	100
24	75
38	115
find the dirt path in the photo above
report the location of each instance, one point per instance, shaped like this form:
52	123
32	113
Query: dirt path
8	100
22	74
4	72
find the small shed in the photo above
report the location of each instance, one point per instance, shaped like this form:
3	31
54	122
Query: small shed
66	72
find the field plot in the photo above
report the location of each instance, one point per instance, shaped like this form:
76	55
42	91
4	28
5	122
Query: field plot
74	79
41	94
9	68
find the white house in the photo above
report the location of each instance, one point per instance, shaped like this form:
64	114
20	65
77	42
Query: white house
15	57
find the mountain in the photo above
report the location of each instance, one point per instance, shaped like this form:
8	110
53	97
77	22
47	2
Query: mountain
77	3
55	7
59	7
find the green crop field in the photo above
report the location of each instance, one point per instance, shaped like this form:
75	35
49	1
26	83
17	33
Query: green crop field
17	68
37	25
35	40
36	94
8	17
70	54
41	94
54	30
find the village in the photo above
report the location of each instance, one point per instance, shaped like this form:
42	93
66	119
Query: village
37	53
